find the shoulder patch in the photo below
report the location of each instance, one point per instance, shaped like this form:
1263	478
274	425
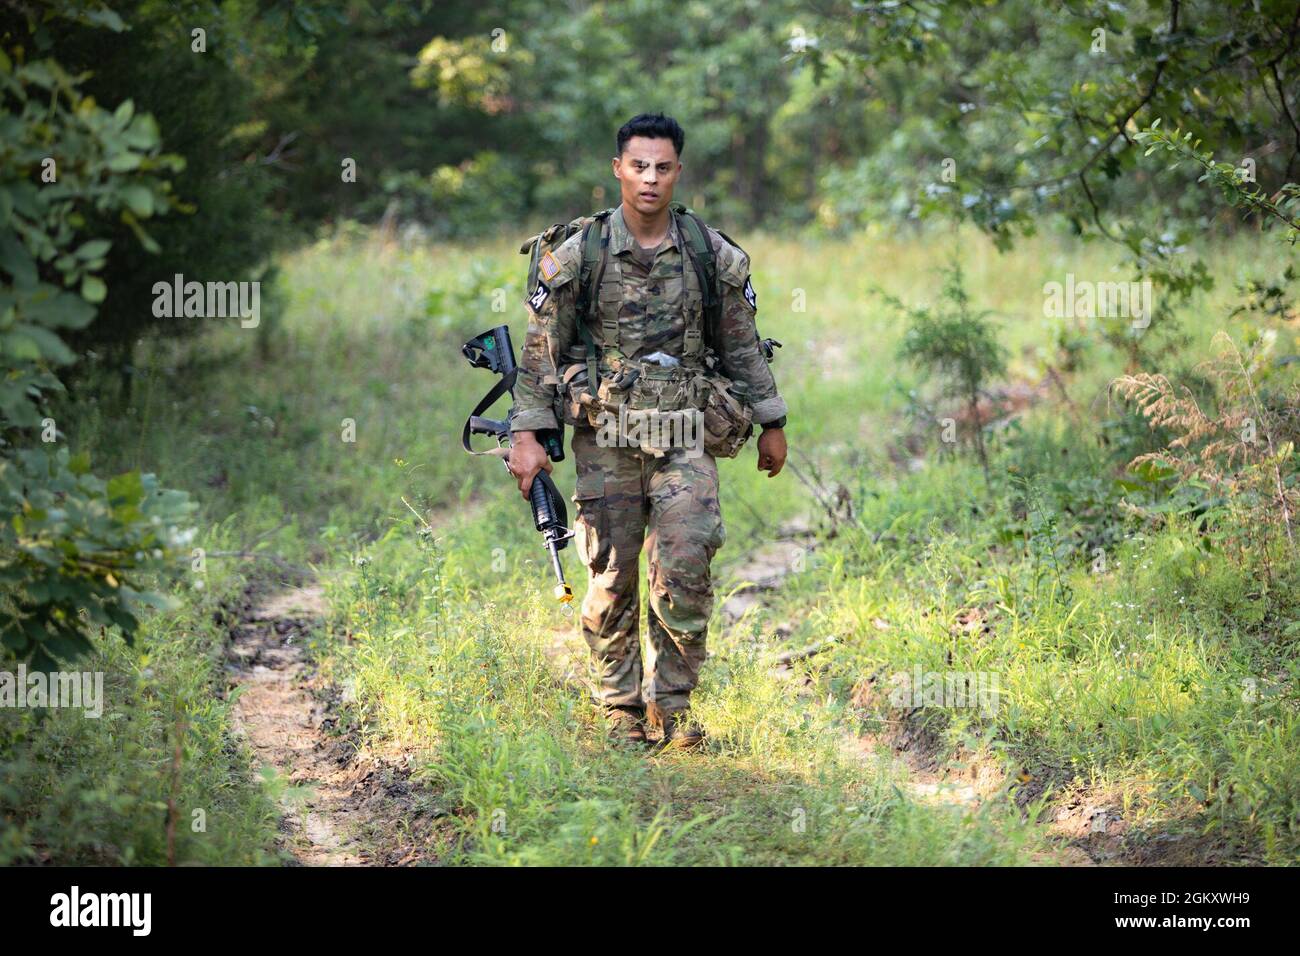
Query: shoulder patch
539	297
557	266
750	295
549	266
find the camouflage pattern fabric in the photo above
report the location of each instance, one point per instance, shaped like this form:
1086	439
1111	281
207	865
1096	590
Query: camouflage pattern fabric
628	500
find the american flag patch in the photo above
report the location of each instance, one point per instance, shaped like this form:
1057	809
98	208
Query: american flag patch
548	267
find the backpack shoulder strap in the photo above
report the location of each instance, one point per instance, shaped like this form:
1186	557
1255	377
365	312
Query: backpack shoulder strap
699	249
595	246
595	242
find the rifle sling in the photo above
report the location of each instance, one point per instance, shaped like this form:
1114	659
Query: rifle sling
504	384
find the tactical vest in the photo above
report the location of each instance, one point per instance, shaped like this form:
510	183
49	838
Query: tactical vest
602	379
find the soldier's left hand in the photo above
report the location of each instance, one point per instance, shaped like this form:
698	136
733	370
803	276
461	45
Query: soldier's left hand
771	451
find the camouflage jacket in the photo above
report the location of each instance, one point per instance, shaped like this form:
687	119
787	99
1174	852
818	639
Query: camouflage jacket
648	302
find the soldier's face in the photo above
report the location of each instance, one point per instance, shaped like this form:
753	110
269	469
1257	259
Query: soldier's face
647	172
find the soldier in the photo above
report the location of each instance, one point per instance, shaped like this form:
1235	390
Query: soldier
648	317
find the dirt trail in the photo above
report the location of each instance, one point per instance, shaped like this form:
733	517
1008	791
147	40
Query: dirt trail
964	784
761	574
344	805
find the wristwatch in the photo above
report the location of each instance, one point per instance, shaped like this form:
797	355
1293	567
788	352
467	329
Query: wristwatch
774	423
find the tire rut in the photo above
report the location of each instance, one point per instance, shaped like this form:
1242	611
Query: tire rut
342	805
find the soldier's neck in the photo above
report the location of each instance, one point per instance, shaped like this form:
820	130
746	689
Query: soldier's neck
648	231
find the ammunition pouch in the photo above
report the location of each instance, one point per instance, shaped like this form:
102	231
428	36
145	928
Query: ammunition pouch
656	407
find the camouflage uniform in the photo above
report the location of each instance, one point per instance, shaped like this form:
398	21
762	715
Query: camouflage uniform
627	498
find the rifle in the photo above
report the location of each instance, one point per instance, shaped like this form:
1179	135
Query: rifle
493	350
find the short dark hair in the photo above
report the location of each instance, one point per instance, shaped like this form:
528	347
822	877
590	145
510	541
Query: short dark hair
655	126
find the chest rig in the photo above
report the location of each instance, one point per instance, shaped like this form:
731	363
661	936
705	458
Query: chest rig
598	381
611	379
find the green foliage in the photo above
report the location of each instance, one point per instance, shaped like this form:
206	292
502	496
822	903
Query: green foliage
1268	298
78	551
459	118
1021	116
1235	182
77	789
65	160
1012	116
958	346
1242	449
223	225
466	199
1038	105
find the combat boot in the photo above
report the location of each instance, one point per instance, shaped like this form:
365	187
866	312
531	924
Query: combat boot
626	725
679	731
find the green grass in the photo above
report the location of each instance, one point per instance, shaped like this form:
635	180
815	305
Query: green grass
1135	686
95	790
1127	683
450	662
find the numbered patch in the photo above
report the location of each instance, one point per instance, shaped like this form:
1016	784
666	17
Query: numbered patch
538	298
750	295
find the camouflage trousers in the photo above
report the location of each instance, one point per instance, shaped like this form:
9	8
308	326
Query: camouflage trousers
628	499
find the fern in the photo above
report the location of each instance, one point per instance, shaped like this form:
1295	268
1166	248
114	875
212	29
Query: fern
1237	449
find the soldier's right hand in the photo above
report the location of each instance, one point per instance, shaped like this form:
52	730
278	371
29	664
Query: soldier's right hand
527	458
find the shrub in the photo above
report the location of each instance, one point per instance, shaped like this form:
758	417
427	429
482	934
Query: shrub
956	344
77	550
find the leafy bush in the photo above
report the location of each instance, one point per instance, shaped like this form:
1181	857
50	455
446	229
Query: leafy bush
77	549
958	345
64	159
221	180
468	199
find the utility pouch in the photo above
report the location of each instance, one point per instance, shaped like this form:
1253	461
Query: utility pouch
612	393
728	420
661	410
574	396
